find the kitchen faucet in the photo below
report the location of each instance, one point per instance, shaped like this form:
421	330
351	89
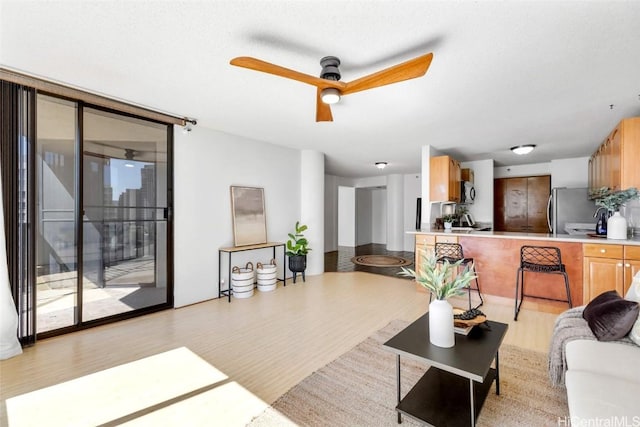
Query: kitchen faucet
598	210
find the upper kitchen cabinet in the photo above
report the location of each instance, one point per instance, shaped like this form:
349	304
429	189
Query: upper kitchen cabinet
615	163
444	179
467	175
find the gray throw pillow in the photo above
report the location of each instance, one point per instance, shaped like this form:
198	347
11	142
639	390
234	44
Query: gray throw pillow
610	317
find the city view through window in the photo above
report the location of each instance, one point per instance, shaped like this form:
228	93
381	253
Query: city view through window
118	245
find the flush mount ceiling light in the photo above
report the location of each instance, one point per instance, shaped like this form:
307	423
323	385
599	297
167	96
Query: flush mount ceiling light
330	95
381	165
523	149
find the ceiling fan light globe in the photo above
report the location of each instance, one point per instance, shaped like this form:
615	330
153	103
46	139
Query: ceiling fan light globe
523	149
330	95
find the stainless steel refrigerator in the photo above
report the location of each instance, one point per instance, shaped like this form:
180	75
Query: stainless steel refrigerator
570	205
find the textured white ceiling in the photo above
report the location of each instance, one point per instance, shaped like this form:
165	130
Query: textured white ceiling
504	73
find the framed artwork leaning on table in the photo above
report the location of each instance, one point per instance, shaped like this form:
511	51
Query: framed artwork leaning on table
249	220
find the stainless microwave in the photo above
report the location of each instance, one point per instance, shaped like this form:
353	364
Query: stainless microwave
467	192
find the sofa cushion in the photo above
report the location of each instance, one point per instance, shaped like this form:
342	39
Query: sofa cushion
633	294
614	359
635	332
610	317
593	397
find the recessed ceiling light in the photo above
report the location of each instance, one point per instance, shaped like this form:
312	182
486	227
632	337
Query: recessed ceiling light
381	165
523	149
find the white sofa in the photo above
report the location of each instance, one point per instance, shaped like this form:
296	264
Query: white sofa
603	377
603	383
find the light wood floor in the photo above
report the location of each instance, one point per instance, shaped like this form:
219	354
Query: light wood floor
266	343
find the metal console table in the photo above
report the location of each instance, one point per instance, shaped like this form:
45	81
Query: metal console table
234	249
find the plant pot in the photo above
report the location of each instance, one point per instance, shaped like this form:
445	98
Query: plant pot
447	225
297	264
441	331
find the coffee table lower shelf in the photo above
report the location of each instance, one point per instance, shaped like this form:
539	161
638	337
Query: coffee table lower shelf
441	398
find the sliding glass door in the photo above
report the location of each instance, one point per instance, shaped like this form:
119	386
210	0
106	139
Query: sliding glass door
125	214
102	248
56	254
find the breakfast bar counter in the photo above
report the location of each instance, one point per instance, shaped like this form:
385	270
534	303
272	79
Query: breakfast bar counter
593	264
545	237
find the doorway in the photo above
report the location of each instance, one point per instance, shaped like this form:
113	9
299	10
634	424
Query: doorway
102	215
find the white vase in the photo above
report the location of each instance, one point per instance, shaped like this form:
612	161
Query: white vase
441	331
617	227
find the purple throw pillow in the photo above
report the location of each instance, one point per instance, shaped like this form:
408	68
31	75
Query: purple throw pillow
610	317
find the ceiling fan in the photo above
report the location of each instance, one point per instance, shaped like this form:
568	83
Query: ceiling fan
330	88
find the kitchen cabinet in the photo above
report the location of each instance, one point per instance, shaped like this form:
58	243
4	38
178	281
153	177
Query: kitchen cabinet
614	162
466	174
444	179
426	243
520	204
608	267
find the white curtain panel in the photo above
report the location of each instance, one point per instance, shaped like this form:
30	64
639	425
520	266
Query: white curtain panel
9	344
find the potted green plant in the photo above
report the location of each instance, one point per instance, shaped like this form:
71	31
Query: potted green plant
297	250
613	201
448	220
438	278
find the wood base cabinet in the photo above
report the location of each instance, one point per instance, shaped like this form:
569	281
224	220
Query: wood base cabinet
426	243
608	267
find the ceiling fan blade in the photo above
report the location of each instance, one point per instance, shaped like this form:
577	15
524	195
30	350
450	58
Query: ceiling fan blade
411	69
323	111
267	67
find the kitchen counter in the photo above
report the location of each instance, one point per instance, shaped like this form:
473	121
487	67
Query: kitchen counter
548	237
497	257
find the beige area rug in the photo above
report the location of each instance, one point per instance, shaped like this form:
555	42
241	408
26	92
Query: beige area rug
380	261
359	389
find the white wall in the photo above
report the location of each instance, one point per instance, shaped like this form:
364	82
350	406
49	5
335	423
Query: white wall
312	207
482	208
395	212
207	163
570	173
369	182
346	216
330	213
379	216
533	169
363	216
412	190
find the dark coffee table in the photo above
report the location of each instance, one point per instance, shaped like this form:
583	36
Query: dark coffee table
454	388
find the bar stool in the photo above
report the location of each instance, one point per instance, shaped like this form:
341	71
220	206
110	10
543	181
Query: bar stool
452	252
540	259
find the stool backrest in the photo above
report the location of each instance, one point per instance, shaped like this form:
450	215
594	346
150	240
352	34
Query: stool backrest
540	255
450	251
